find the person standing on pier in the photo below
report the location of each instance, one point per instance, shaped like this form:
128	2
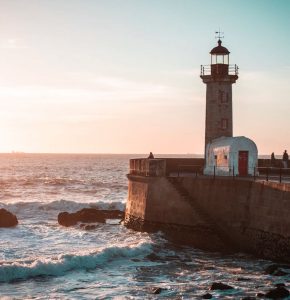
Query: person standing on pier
285	159
151	156
273	160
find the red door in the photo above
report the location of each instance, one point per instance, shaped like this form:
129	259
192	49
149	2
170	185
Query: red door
243	163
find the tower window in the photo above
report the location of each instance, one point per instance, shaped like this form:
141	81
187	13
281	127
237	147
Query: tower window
227	97
221	96
224	123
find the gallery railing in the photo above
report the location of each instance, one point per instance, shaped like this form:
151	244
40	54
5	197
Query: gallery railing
207	70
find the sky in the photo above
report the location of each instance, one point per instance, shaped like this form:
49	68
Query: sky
122	76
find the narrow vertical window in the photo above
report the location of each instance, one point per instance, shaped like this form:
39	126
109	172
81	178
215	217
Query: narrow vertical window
227	97
221	96
224	123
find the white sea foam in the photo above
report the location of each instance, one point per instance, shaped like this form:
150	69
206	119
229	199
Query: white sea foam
37	208
58	266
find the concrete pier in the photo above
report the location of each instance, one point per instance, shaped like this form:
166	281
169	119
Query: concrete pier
210	213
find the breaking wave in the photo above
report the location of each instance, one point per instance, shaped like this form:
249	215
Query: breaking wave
35	208
58	266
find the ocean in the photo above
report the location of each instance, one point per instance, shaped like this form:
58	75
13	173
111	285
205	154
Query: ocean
40	259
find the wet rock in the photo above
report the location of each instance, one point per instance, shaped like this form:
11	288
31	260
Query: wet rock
243	279
276	268
7	219
172	257
280	285
207	296
156	290
277	293
66	219
135	259
90	227
249	298
220	286
260	295
85	226
153	257
280	273
88	215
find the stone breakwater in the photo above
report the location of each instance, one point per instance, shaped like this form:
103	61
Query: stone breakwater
214	214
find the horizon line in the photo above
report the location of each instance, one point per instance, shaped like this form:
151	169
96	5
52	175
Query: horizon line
109	153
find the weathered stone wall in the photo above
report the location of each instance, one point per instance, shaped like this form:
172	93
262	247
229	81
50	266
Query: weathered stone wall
155	200
255	214
154	204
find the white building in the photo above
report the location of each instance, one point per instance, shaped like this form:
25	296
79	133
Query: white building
228	156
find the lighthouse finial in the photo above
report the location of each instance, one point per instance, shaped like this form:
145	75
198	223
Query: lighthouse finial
219	34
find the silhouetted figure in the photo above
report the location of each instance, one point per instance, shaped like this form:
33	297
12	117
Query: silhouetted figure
151	155
273	160
285	159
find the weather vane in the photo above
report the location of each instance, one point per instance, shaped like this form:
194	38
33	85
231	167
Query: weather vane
219	34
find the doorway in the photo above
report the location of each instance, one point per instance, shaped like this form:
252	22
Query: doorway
243	163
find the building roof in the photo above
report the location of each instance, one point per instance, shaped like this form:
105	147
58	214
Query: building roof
220	49
234	144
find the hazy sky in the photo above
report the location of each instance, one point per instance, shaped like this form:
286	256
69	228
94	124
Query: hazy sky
122	76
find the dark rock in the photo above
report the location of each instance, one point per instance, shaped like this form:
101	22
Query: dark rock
209	268
249	298
156	290
207	296
153	257
66	219
277	293
280	273
220	286
88	215
7	219
280	284
243	279
90	227
260	295
273	269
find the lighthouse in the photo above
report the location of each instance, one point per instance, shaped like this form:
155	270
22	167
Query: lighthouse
219	77
225	155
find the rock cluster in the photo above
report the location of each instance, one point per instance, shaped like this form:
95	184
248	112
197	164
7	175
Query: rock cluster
88	215
279	292
7	219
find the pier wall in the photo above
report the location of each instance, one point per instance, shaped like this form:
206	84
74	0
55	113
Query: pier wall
254	215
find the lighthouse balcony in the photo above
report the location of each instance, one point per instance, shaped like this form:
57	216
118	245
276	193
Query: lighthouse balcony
219	70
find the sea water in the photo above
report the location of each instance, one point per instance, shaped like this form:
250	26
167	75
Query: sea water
40	259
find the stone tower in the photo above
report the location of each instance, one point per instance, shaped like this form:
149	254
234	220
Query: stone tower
219	77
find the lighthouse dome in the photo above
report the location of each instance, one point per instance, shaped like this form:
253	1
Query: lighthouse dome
220	50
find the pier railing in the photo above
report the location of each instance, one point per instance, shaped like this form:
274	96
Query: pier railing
256	173
194	167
